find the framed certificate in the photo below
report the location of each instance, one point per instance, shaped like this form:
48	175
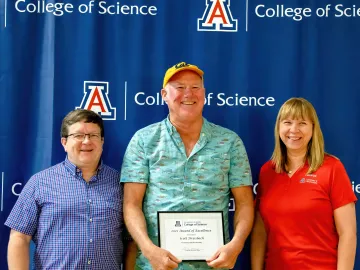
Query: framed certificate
191	236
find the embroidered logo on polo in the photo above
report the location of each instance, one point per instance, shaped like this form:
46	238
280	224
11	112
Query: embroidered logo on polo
217	17
311	181
96	99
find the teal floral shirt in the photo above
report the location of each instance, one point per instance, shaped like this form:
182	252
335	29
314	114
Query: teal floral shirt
200	182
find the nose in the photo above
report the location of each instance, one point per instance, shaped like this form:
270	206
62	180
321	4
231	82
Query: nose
188	91
294	127
86	139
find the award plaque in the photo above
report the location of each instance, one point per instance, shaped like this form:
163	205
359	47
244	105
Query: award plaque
191	236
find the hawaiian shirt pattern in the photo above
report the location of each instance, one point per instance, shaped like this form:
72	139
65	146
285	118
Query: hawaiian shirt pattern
200	182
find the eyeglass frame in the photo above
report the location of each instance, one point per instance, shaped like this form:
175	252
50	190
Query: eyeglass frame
96	136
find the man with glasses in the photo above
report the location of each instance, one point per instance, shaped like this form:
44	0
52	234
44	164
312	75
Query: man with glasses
185	163
73	210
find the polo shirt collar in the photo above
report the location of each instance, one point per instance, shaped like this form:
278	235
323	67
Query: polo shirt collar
205	129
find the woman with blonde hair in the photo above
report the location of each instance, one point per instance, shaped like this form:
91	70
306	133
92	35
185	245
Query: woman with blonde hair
305	205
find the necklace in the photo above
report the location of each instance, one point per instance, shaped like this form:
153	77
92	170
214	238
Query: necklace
295	170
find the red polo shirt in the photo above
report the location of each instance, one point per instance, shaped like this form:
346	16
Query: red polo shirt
298	214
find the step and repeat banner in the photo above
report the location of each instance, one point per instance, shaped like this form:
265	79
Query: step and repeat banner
111	56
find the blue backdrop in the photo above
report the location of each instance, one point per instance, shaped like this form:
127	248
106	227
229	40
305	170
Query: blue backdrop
110	56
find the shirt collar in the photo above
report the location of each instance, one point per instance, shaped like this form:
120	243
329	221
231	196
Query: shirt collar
205	129
75	170
169	125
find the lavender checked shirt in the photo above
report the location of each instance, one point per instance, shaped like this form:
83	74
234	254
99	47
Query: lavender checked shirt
74	224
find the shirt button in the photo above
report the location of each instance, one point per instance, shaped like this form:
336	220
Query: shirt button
91	240
90	201
89	261
90	219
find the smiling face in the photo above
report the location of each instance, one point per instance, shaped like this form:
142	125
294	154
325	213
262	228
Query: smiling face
84	154
296	134
185	96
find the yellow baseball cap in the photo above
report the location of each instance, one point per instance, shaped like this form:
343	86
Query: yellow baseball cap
180	67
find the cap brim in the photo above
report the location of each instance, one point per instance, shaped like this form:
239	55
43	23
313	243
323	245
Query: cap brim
191	68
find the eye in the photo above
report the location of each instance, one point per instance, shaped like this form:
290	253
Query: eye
303	123
95	136
78	136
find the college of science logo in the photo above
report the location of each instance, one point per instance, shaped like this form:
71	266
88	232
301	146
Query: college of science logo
96	99
59	8
217	17
220	99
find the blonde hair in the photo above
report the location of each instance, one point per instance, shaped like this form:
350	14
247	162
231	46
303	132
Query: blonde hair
299	108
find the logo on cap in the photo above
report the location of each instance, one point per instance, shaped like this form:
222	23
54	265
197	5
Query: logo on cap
179	67
217	17
96	99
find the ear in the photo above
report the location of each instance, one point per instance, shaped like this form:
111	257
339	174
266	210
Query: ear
63	142
164	94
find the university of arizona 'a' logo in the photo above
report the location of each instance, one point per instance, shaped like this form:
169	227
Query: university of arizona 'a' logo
96	99
217	17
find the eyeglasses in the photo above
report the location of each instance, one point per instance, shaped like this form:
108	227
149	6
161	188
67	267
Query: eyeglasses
80	137
182	88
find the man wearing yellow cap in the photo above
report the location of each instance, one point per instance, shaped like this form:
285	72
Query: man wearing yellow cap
185	163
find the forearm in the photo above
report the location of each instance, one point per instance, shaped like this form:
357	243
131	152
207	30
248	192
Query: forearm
346	251
130	255
136	225
257	249
18	254
243	222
